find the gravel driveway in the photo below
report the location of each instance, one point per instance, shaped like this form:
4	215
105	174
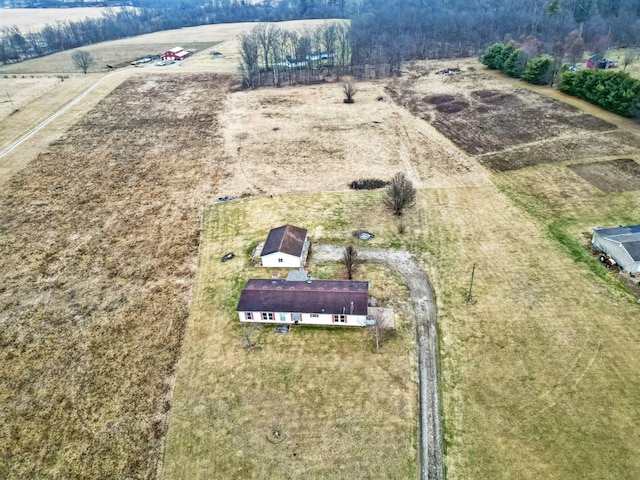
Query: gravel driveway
426	333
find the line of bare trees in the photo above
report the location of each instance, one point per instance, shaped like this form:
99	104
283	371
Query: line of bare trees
273	56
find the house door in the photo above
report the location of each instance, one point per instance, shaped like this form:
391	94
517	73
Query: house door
283	317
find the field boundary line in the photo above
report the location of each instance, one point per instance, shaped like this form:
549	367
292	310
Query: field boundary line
51	118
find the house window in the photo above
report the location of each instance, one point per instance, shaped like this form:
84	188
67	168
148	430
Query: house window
314	315
339	319
280	260
248	316
267	316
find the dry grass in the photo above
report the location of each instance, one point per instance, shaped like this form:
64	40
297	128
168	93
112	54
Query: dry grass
344	410
538	373
98	239
34	19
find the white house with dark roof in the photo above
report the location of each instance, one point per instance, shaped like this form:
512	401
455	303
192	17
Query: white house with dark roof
286	246
622	243
311	302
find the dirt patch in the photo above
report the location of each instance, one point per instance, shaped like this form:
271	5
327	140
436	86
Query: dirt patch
493	97
622	175
453	107
563	149
439	99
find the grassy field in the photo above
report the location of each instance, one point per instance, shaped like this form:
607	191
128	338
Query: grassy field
33	19
98	237
344	409
538	370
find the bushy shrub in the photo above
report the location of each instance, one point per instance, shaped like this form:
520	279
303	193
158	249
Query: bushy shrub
367	184
538	71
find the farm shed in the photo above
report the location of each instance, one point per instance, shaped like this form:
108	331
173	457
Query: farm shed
176	53
286	246
622	243
311	302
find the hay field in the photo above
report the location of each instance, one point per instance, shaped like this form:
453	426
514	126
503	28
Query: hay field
35	19
99	236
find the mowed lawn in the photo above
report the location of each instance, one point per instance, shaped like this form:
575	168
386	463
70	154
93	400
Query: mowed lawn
344	410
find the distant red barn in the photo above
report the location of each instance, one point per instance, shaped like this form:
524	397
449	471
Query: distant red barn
177	53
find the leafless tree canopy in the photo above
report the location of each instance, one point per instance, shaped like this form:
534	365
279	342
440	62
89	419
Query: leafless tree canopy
351	261
349	89
82	60
400	194
629	57
380	329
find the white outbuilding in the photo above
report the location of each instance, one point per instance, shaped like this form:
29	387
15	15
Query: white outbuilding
622	243
286	246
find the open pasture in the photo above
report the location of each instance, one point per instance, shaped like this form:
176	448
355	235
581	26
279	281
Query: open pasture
99	238
15	93
34	19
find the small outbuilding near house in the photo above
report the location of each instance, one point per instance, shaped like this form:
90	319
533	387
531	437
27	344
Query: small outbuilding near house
622	243
286	246
313	302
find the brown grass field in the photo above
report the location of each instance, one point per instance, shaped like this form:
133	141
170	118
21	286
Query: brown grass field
98	284
34	19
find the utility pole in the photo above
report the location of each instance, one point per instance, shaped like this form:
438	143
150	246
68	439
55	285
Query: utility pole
470	292
13	106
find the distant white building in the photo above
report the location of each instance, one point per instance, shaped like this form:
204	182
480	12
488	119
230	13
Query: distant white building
622	243
285	247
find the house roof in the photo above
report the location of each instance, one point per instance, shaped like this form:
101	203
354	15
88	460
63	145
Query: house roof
629	237
175	50
319	296
285	239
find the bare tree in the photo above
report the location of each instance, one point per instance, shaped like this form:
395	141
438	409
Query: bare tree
628	59
379	327
82	60
350	91
247	331
400	194
351	261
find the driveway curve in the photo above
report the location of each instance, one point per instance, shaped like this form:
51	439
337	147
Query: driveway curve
430	441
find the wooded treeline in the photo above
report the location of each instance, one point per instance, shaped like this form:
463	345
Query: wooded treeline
383	32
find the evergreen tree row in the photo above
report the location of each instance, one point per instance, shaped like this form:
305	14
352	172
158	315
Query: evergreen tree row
519	62
617	92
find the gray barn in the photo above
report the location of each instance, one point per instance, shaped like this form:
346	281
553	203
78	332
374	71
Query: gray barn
622	243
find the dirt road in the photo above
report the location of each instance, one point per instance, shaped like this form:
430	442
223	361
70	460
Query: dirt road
430	444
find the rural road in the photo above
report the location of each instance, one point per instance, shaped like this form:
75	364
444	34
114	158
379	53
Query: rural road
430	442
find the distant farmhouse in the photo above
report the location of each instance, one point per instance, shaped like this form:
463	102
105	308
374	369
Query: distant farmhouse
177	53
603	63
286	247
622	243
310	302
